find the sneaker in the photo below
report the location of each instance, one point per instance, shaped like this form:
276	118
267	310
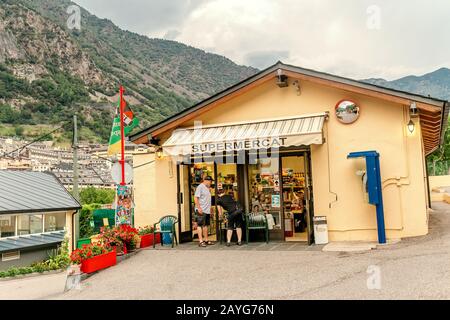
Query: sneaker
228	244
239	243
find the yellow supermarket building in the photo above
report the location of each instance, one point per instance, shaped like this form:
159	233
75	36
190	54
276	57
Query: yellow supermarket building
279	143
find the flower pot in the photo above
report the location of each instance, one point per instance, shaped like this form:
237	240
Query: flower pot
147	239
138	243
120	250
130	247
99	262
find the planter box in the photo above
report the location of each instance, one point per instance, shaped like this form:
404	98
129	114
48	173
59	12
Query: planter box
147	239
99	262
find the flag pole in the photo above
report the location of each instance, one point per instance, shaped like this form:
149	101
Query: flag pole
122	137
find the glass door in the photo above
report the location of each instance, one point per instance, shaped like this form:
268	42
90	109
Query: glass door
309	198
184	206
294	188
264	191
227	178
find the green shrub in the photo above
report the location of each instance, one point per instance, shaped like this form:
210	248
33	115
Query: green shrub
86	230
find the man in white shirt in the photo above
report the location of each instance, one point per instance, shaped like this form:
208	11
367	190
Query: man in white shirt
202	199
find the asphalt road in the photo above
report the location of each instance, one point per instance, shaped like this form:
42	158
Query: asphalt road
417	268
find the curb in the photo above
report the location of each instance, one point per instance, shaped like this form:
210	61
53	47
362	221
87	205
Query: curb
32	275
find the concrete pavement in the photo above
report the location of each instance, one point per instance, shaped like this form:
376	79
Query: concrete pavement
417	268
33	288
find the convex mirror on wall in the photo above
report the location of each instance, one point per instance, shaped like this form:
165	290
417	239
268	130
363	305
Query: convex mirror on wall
347	111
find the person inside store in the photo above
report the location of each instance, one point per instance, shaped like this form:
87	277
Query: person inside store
202	200
233	215
300	218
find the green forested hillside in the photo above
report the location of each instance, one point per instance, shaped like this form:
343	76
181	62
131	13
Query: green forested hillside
48	72
435	84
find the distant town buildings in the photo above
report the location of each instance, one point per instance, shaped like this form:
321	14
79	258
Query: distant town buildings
93	160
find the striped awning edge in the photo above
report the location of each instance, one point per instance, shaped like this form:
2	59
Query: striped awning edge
266	134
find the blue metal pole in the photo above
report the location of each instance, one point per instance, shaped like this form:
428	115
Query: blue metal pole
380	210
380	223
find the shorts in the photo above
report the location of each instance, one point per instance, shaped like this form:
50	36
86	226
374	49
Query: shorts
234	220
203	220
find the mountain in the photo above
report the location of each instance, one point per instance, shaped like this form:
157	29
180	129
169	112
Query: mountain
435	84
48	71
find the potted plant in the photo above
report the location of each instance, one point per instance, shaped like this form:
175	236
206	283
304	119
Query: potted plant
111	237
127	234
146	234
137	240
94	257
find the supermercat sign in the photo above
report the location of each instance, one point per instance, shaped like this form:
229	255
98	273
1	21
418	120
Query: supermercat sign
270	134
224	146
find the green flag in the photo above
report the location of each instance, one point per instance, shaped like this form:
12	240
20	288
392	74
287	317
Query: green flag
130	122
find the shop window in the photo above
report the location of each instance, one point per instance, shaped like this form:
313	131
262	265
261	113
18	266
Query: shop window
265	190
29	224
7	226
227	179
54	221
36	224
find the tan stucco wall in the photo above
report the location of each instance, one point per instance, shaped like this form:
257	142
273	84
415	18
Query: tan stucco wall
337	190
437	182
155	187
69	230
438	187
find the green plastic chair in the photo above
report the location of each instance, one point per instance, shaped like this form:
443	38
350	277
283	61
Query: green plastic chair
256	221
166	225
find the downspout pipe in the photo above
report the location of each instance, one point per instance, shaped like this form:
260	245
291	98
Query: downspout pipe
73	230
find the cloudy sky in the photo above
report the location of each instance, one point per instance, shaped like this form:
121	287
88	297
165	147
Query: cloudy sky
354	38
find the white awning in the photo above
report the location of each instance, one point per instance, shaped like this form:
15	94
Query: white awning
298	131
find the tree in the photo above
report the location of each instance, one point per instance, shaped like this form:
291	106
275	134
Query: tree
438	161
18	131
92	195
86	230
91	199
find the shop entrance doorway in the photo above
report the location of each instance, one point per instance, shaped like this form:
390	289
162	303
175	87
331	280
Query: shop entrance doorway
280	187
226	176
297	197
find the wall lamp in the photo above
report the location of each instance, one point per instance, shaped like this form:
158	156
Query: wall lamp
411	126
159	153
413	113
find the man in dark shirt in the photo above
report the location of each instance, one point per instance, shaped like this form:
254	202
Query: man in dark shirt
234	215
